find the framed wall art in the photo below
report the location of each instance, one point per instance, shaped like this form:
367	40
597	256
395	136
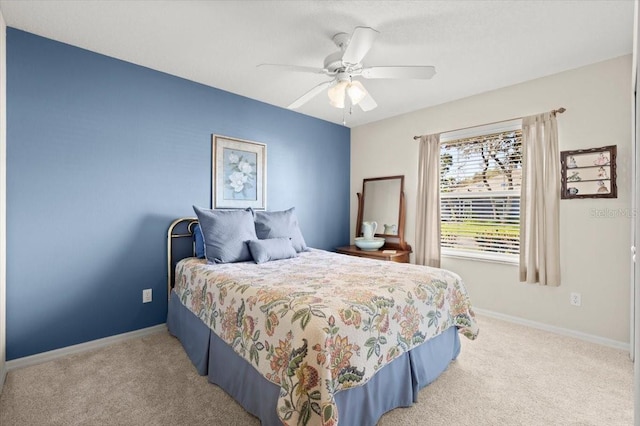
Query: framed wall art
589	173
239	173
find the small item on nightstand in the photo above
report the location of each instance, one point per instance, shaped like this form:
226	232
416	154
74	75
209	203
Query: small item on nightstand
369	230
389	251
372	244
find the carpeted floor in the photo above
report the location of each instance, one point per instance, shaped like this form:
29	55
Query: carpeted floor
510	375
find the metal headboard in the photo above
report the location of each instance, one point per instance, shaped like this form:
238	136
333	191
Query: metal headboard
179	228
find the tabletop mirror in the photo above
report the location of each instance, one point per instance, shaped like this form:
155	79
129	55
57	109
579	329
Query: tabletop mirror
382	201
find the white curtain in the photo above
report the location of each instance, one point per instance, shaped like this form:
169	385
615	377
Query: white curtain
539	201
428	208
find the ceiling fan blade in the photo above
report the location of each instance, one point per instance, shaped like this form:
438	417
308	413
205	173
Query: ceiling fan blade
361	41
367	103
310	94
408	72
296	68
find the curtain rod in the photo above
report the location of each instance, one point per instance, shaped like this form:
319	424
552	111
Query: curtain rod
554	112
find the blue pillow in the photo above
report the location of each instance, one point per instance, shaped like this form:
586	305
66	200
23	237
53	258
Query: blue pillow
226	233
271	249
282	224
199	242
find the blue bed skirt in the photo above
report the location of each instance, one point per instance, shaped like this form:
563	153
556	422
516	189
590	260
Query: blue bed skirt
395	385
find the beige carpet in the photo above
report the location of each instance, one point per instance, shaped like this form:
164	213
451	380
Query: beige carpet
511	375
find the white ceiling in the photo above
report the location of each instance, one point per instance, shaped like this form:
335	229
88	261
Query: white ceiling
476	46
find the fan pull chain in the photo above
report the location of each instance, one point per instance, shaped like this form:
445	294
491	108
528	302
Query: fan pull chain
344	114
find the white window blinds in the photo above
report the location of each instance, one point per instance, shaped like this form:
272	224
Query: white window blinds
480	180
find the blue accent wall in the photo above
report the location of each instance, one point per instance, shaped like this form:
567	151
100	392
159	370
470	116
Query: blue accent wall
102	156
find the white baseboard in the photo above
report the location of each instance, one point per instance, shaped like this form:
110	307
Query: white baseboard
82	347
557	330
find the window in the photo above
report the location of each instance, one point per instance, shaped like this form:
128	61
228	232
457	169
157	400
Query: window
480	177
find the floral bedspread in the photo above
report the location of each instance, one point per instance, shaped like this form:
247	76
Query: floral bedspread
322	322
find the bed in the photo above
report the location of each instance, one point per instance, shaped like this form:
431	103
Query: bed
319	338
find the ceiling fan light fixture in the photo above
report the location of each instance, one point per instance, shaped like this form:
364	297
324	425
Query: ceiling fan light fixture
356	92
337	94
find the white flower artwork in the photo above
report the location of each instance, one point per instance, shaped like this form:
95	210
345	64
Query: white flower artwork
240	169
233	158
237	181
239	173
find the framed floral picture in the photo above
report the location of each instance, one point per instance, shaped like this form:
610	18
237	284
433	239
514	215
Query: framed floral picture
589	173
239	173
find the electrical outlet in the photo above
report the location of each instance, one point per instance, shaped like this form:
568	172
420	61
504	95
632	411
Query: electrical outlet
147	295
575	299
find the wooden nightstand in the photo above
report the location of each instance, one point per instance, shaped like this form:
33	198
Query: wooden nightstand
400	256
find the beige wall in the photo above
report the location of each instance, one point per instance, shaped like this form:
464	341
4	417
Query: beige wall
595	258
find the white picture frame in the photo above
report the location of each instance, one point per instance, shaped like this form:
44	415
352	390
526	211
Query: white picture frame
238	173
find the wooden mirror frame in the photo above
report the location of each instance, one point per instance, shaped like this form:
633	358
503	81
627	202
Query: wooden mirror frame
394	242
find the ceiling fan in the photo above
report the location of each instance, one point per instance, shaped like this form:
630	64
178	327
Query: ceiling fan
345	65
